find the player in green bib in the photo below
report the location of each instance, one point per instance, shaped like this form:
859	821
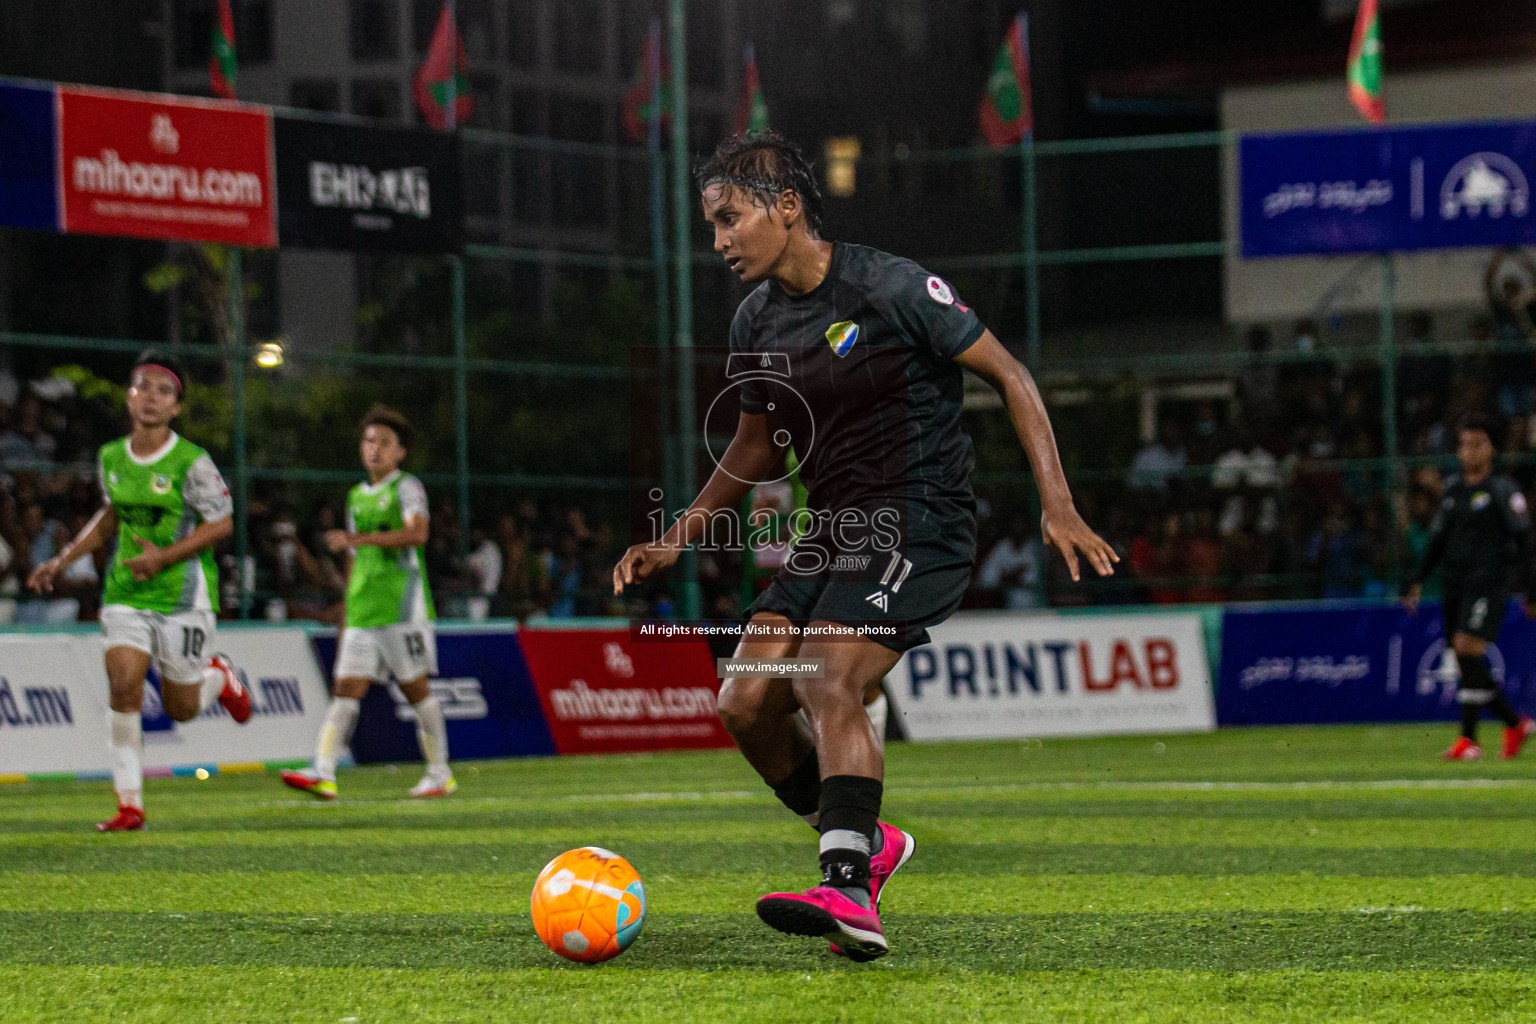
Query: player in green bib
389	614
165	506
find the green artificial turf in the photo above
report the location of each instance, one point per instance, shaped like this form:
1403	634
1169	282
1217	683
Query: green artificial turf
1251	875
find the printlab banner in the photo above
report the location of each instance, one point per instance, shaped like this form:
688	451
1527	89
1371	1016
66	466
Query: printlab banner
28	159
988	676
53	706
487	696
1378	190
162	167
1361	664
343	186
604	694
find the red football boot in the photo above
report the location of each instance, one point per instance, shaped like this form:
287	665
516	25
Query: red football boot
1514	738
1463	750
127	819
236	695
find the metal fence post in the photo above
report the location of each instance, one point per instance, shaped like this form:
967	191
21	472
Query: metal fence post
1031	244
693	598
1394	473
460	401
237	357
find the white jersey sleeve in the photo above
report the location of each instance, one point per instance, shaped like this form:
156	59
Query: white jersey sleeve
413	499
204	489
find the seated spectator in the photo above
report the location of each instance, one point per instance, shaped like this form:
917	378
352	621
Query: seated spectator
27	441
484	570
1012	567
1202	561
1159	463
1246	479
44	537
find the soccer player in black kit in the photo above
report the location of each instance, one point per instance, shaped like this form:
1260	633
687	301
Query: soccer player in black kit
1482	524
868	348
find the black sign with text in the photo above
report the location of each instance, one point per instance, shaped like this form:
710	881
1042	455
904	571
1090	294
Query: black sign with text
344	186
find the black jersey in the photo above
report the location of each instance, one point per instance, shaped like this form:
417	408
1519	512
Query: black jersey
859	372
1480	530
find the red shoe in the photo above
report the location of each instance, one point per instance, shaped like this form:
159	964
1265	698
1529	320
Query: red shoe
892	856
310	782
1514	738
127	819
829	913
1462	750
236	695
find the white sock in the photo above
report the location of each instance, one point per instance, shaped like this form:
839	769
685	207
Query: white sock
336	733
432	734
213	685
876	713
127	773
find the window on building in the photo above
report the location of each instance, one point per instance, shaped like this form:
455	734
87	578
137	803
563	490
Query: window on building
193	31
376	98
374	30
579	35
477	26
577	120
253	31
523	31
315	94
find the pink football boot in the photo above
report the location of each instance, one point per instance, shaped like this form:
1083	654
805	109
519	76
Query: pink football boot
827	912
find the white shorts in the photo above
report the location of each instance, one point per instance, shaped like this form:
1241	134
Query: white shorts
179	642
406	650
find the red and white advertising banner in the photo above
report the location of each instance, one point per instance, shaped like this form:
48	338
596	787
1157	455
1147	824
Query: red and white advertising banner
1001	676
165	168
605	694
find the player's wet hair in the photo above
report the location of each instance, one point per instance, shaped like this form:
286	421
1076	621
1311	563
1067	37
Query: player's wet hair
1479	422
164	361
764	165
383	416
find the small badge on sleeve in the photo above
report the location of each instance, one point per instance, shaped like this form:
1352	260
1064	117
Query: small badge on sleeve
939	292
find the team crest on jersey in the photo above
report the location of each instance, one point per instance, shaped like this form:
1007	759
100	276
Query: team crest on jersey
939	292
1480	500
112	477
383	501
161	484
842	336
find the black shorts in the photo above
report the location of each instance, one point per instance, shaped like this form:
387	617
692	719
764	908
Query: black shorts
1475	605
892	596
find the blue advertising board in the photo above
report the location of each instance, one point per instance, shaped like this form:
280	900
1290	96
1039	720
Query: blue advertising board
487	696
1324	664
1379	190
29	188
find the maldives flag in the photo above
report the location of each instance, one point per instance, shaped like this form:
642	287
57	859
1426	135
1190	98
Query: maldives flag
1007	109
443	75
1364	70
752	111
223	68
652	88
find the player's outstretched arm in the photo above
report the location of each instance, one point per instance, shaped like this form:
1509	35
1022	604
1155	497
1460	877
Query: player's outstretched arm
152	560
749	458
91	536
1060	524
414	534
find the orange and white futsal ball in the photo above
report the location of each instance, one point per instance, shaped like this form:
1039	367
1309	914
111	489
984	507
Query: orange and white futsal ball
588	905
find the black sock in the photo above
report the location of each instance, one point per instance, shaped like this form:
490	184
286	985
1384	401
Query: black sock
1501	707
801	792
1475	690
850	816
1470	713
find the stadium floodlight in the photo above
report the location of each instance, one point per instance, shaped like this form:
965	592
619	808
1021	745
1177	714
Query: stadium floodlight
269	355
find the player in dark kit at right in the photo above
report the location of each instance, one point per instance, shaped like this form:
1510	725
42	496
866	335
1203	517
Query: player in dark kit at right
1482	523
